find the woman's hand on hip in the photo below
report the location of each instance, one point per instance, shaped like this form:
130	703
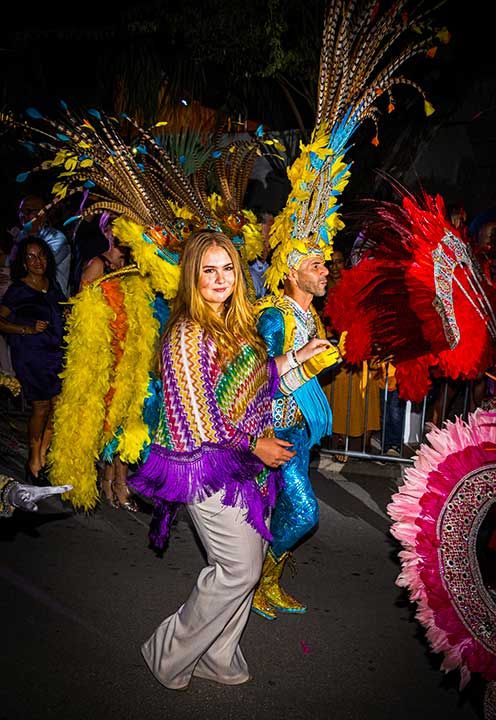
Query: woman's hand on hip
273	451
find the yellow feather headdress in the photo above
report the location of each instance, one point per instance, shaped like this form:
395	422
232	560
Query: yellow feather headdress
361	54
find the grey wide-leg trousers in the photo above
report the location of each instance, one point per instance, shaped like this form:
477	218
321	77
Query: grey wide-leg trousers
202	637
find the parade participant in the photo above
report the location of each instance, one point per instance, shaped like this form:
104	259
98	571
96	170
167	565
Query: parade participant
444	520
353	75
214	450
119	317
301	412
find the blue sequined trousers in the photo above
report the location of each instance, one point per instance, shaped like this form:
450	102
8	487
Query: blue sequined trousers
297	510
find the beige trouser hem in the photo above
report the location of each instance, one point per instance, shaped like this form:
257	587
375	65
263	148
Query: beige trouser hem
202	637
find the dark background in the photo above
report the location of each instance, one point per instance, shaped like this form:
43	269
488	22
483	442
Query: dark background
258	62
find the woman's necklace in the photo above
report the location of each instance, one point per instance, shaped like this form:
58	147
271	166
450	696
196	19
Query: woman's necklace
34	285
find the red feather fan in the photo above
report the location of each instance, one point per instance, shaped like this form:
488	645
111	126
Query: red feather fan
417	297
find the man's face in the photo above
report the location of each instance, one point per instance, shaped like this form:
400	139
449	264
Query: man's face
311	276
28	209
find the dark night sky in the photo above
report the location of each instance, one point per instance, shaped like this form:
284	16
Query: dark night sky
461	83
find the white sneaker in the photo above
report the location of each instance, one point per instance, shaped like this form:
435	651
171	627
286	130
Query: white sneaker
375	442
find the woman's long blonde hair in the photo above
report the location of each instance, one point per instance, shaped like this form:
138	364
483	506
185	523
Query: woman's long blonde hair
238	323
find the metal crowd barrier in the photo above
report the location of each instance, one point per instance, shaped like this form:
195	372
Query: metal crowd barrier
416	422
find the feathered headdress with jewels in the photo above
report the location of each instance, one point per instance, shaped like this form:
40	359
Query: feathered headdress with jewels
362	53
417	296
137	180
119	318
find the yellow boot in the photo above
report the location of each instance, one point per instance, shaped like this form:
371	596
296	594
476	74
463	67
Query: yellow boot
260	604
274	593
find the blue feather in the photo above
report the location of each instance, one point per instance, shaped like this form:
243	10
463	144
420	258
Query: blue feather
34	113
29	145
71	219
22	177
95	113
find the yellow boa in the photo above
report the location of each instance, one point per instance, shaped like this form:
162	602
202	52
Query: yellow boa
80	409
89	372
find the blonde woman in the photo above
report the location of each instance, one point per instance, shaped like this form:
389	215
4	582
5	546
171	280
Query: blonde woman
214	451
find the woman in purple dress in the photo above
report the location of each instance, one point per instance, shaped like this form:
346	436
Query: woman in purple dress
32	318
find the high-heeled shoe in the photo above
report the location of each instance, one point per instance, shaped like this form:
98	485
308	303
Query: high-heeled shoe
123	497
106	491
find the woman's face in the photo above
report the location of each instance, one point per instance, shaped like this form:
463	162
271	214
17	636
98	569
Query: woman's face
336	266
35	260
116	255
216	283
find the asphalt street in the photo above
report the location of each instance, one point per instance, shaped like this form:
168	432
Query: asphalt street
81	593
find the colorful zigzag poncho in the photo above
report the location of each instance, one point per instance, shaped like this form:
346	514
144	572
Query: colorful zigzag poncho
202	443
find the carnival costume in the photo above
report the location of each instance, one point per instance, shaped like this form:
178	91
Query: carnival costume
438	516
417	296
301	416
119	318
203	447
353	74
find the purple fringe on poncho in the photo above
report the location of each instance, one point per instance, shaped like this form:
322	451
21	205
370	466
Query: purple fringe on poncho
171	478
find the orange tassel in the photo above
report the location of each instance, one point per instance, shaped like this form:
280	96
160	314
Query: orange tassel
375	141
378	91
391	107
431	52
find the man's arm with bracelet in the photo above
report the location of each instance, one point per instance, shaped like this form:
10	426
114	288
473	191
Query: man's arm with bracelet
298	376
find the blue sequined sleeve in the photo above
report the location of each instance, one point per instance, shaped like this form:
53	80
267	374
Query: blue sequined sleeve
270	325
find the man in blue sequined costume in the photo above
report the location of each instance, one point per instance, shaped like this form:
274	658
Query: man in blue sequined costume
302	416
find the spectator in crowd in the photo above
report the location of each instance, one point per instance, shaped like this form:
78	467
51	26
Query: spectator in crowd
34	223
32	318
392	409
259	267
